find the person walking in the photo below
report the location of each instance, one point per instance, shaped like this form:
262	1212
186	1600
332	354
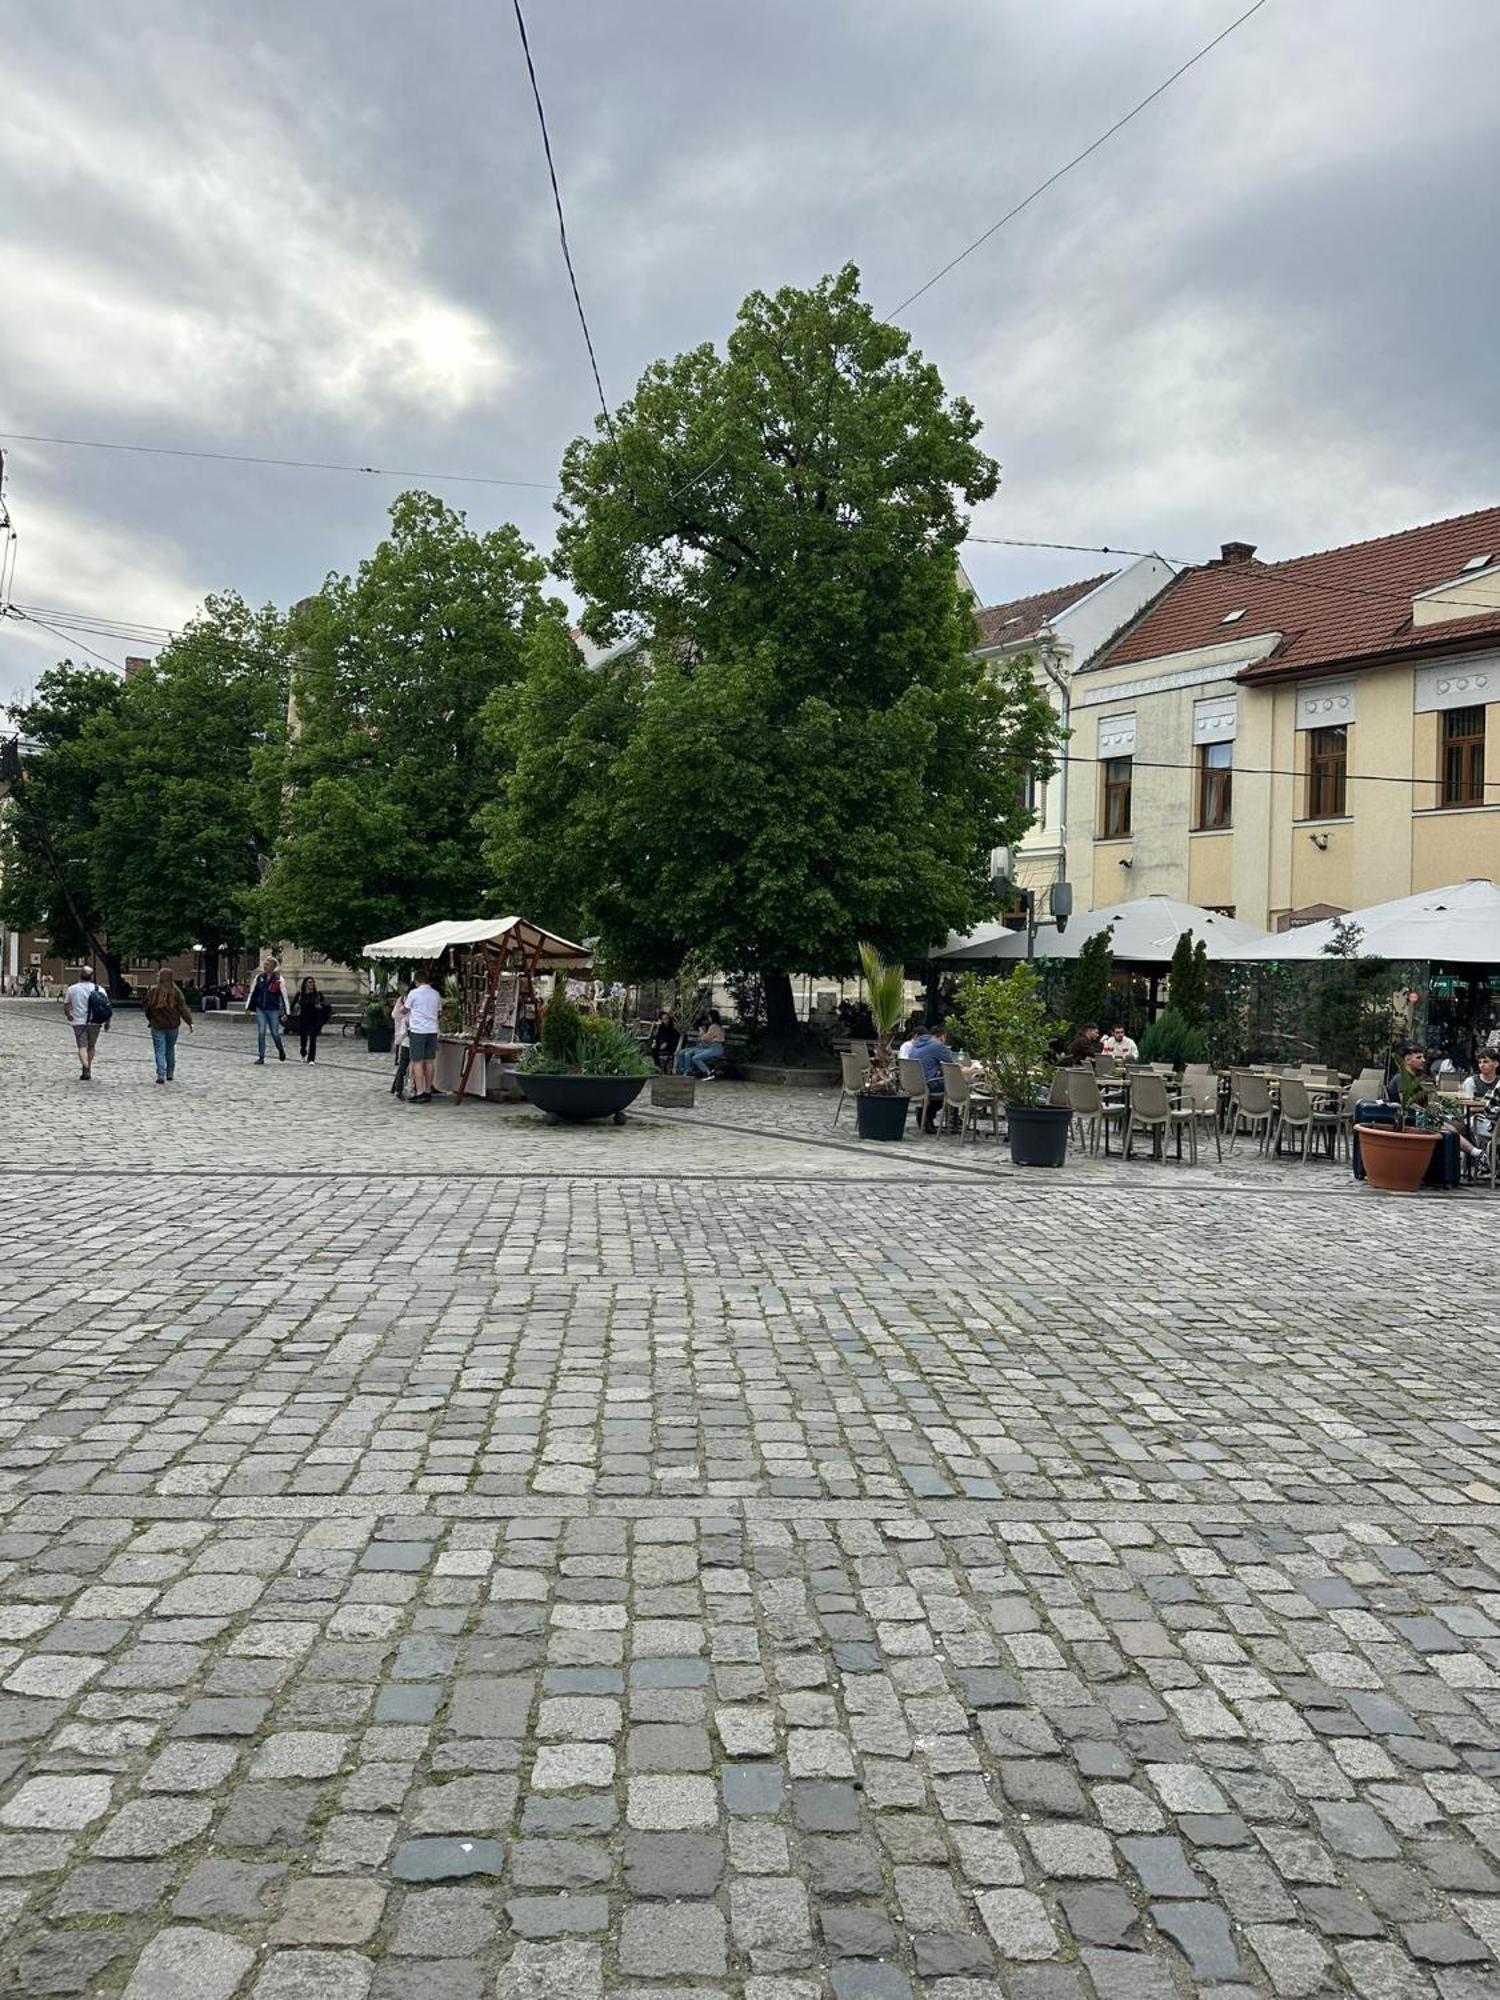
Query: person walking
401	1029
167	1012
310	1011
88	1009
424	1003
267	1001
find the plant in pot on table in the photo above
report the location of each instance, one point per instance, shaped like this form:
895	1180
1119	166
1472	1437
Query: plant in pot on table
584	1066
881	1105
1007	1029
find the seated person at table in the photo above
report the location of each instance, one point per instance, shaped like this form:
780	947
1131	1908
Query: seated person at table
1400	1090
1084	1046
930	1049
1484	1085
914	1027
699	1057
1119	1045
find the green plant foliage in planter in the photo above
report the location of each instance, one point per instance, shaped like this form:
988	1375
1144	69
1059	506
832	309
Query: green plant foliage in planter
376	1020
585	1066
1007	1027
880	1108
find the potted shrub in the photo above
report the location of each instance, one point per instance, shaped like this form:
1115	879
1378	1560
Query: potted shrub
1396	1157
585	1065
1007	1028
881	1106
380	1032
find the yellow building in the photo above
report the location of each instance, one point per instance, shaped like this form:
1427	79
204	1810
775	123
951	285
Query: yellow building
1283	741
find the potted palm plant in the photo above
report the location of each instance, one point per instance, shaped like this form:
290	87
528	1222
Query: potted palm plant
881	1106
585	1065
1007	1028
378	1025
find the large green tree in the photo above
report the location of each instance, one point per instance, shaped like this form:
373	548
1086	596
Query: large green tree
49	824
804	753
389	761
185	823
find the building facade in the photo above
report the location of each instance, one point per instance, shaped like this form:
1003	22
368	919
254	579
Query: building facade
1062	632
1284	741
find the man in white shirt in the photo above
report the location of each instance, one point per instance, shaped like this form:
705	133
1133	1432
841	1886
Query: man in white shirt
1118	1045
424	1004
80	1010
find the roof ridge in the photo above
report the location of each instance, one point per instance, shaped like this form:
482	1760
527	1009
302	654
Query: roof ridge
1050	590
1369	542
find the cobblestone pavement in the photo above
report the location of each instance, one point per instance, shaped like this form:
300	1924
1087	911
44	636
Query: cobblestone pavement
680	1562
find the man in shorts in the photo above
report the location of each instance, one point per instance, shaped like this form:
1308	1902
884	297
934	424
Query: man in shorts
425	1004
81	1010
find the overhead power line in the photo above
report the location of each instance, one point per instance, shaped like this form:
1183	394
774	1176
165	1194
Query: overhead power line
562	225
295	464
1256	771
1077	160
27	618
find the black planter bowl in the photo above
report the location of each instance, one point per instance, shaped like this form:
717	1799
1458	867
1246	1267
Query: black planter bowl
380	1041
879	1116
578	1098
1038	1134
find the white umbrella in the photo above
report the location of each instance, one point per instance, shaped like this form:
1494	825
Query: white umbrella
1459	925
1146	931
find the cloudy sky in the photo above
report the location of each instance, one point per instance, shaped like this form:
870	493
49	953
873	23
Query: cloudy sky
1266	311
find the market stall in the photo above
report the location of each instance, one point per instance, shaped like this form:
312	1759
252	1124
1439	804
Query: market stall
496	962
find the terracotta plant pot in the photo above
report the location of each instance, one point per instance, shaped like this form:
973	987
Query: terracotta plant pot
1395	1161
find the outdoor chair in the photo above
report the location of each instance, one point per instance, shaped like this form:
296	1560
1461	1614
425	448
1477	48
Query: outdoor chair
1298	1114
1106	1066
964	1106
912	1078
1200	1096
1058	1094
1092	1112
1252	1109
853	1066
1151	1110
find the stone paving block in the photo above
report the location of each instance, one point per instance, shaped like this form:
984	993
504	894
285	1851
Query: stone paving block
185	1962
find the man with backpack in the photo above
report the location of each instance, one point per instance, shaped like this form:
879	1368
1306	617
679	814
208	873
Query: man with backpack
88	1009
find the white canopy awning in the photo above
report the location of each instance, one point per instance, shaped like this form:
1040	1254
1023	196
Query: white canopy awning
1459	925
1145	933
431	940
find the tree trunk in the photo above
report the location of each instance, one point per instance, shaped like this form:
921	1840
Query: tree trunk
781	1009
114	973
210	967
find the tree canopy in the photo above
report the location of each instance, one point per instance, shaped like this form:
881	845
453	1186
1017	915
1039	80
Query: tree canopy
185	824
802	752
389	762
49	826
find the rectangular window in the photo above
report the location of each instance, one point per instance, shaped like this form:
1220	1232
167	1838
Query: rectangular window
1215	783
1029	794
1327	771
1117	797
1463	757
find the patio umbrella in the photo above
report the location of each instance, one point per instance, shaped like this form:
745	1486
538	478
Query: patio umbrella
1146	931
1459	925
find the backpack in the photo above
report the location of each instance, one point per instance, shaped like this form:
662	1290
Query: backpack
101	1008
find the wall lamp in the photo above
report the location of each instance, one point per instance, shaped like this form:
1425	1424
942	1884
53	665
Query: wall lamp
1126	862
1319	841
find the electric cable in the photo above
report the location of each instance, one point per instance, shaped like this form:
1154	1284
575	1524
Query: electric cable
295	464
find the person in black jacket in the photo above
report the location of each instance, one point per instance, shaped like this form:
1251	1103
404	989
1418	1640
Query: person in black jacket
311	1011
665	1040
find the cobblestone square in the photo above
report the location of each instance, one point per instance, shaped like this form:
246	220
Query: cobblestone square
447	1555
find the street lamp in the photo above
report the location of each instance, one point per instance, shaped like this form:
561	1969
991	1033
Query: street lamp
1059	896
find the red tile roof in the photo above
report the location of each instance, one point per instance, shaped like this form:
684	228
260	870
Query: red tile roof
1024	617
1339	607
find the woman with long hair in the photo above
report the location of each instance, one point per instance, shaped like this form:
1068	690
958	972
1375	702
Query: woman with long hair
311	1011
167	1011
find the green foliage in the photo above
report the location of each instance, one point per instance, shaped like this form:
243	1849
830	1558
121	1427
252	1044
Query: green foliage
50	826
376	1013
802	753
1350	1015
183	836
1187	980
595	1045
885	995
1172	1039
1089	998
1006	1026
560	1028
391	758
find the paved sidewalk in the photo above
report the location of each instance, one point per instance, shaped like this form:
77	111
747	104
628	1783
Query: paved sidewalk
443	1555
